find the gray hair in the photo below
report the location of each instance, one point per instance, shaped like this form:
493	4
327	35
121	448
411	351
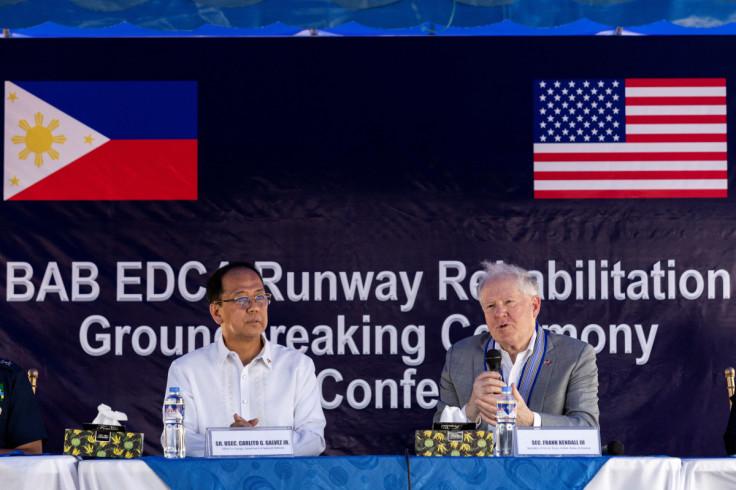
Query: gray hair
491	271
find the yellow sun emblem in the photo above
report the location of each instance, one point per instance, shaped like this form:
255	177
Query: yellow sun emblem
38	139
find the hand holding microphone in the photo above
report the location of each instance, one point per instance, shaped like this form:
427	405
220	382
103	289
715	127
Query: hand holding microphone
486	390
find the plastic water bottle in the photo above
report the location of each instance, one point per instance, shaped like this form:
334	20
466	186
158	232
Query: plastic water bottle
506	421
174	424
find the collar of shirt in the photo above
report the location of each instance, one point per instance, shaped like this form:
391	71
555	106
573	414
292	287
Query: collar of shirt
512	371
223	352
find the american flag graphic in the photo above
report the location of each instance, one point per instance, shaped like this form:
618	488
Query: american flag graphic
630	138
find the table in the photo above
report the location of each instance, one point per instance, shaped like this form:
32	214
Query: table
385	472
38	472
711	473
53	472
640	472
113	474
532	473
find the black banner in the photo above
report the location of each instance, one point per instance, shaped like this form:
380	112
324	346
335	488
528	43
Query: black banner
368	178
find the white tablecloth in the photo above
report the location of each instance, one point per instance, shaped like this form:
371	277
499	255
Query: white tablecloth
116	474
38	473
66	473
645	473
710	474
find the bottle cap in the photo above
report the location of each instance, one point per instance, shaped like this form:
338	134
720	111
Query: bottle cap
505	389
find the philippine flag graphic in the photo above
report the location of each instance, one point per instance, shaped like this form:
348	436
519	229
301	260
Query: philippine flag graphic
100	141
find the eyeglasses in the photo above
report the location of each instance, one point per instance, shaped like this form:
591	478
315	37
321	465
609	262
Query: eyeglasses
245	302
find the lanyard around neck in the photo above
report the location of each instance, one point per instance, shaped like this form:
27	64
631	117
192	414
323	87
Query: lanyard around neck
530	372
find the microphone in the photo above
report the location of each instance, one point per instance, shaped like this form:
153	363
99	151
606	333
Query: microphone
613	448
493	360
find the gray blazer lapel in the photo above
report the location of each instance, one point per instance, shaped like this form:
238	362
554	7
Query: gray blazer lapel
546	374
471	370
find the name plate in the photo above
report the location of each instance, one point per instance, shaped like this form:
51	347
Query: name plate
241	442
557	441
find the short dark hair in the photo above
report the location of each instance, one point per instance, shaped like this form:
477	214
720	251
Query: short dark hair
214	283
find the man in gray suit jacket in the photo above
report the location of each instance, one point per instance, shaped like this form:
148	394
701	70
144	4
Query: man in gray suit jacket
554	377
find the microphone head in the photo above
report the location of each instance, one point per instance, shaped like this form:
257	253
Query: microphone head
615	448
493	360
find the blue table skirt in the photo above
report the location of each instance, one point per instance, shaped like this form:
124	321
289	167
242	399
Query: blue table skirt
449	473
375	472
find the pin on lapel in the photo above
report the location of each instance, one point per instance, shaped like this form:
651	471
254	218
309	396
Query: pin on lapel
548	363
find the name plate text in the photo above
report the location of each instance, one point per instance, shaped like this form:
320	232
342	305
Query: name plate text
558	441
239	442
